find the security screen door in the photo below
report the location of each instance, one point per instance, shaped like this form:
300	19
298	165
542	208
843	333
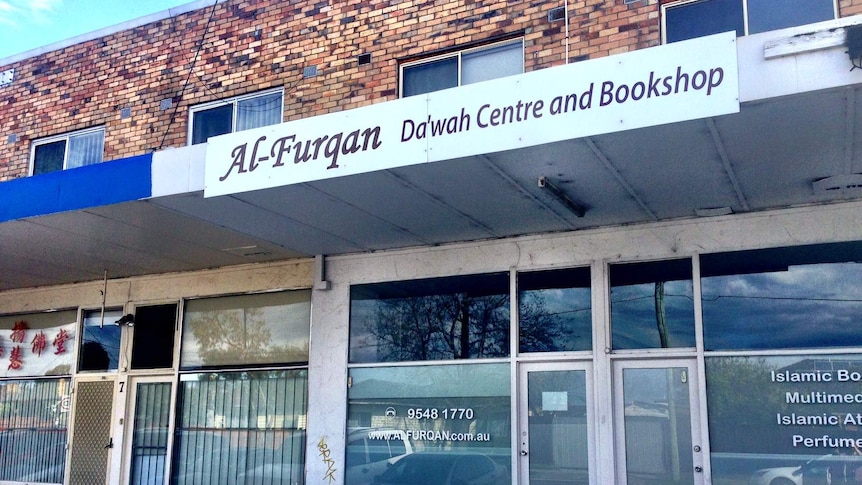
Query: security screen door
91	432
656	420
554	424
150	418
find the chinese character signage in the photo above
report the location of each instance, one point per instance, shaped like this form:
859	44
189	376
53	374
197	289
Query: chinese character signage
38	344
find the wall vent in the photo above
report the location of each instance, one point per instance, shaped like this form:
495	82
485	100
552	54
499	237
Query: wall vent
309	71
363	59
7	76
556	14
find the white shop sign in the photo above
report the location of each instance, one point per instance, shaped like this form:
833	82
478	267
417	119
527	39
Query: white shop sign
666	84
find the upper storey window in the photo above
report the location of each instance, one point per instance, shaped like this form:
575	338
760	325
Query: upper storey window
697	18
463	67
235	114
70	150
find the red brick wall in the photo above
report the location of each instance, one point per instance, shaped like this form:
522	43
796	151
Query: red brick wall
847	8
257	44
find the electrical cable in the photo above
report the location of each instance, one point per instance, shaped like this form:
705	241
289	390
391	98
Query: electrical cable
189	77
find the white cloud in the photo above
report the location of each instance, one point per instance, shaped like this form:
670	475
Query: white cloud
19	13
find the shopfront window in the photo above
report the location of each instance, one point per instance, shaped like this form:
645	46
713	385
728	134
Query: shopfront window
429	424
783	298
241	428
554	310
652	305
246	330
38	344
785	419
459	317
34	416
236	424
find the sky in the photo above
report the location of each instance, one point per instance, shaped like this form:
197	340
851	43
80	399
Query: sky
28	24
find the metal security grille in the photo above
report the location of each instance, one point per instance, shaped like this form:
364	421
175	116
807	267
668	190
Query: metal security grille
91	439
150	437
33	419
241	428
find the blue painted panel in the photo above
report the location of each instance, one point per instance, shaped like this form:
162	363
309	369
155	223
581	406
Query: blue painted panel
95	185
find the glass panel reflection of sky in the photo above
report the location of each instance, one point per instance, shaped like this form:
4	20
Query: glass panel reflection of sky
783	306
636	296
554	310
100	348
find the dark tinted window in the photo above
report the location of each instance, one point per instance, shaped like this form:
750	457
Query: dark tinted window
460	317
706	17
652	305
211	122
430	76
554	310
764	15
797	297
48	157
153	342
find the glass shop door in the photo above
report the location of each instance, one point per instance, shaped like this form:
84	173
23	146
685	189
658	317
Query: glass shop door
656	422
554	424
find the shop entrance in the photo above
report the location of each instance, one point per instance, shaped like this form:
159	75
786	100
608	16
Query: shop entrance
150	416
554	423
656	421
92	440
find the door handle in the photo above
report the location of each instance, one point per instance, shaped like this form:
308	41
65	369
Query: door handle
698	469
523	452
110	443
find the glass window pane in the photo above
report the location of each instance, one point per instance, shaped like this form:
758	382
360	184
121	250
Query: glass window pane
442	420
765	15
430	76
33	417
48	157
785	419
38	344
100	347
86	149
652	305
492	63
704	17
211	122
555	312
267	328
241	427
153	337
258	111
460	317
771	298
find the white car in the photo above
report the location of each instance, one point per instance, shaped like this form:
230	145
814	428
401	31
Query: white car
824	470
371	451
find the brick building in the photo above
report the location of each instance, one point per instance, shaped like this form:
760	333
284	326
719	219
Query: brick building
445	242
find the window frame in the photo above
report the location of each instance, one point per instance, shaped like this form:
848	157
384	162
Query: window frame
745	22
458	55
234	103
64	137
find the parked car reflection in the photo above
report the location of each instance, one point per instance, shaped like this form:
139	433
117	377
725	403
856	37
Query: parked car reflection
371	451
824	470
444	469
